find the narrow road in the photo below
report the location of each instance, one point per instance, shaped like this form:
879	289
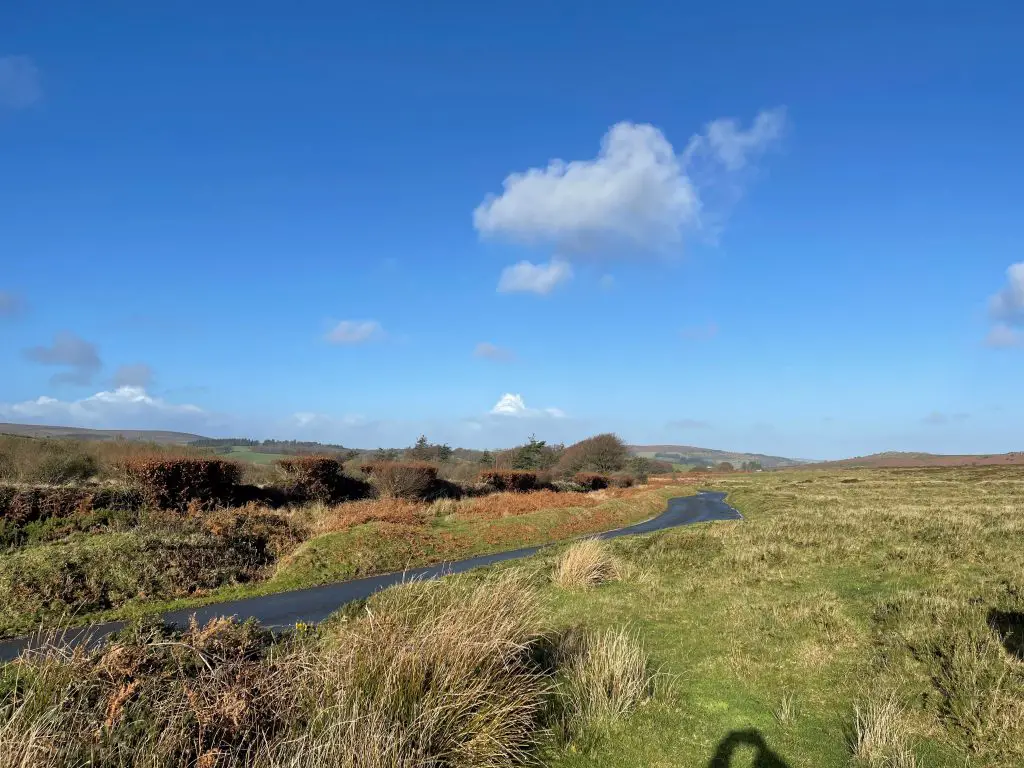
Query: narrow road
315	604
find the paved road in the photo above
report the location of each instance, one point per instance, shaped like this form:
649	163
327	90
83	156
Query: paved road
317	603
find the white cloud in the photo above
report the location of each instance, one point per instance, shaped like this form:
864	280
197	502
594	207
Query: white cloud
20	85
124	407
514	405
734	147
526	277
637	194
489	351
355	332
1008	304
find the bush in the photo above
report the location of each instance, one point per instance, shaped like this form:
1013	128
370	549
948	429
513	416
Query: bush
567	486
178	483
592	481
509	479
320	478
623	480
402	480
602	453
22	505
51	581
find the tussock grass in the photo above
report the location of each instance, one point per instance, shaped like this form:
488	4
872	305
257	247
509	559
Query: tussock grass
606	675
586	564
881	739
433	674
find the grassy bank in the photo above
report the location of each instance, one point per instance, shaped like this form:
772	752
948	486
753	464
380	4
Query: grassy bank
168	562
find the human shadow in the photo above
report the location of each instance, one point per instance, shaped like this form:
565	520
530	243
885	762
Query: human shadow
751	737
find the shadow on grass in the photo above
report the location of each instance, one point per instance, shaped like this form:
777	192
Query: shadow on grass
764	758
1010	626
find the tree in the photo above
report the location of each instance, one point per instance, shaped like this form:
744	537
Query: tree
386	454
444	452
421	451
751	466
487	459
532	455
601	453
725	466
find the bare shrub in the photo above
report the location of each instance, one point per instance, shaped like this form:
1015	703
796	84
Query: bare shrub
586	564
404	480
509	479
320	478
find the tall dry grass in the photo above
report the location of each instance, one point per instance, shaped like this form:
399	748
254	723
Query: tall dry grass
586	564
429	674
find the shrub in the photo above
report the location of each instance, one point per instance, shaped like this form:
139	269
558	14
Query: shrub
320	478
567	486
592	481
585	564
602	453
49	581
402	480
623	480
509	479
177	483
65	467
21	505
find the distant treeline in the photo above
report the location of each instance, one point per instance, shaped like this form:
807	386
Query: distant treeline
290	447
222	442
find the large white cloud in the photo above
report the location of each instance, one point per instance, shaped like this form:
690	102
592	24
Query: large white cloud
637	194
526	277
121	408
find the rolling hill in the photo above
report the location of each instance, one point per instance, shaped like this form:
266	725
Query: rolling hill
81	433
690	454
893	459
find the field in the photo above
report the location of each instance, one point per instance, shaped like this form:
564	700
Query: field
244	453
871	618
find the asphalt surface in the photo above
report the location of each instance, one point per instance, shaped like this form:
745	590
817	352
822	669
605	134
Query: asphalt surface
310	606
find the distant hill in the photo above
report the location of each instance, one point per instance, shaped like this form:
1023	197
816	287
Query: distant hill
893	459
80	433
690	454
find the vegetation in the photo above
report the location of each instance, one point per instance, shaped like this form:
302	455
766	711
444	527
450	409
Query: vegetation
428	675
602	453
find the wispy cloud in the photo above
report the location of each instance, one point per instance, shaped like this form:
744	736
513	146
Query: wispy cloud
355	332
699	332
20	82
526	277
688	424
135	375
71	351
488	351
938	418
11	304
637	195
1002	336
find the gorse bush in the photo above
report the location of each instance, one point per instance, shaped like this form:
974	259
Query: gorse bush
176	483
509	479
403	480
320	478
592	481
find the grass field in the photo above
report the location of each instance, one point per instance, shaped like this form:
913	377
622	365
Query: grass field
896	594
853	619
244	453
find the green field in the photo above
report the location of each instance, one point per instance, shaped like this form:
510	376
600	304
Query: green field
244	453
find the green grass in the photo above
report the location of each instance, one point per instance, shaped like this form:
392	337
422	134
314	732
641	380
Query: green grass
831	595
244	453
70	581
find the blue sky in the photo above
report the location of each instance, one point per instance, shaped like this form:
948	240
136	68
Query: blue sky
783	229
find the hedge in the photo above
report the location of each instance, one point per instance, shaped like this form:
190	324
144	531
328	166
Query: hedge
592	481
180	482
509	479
